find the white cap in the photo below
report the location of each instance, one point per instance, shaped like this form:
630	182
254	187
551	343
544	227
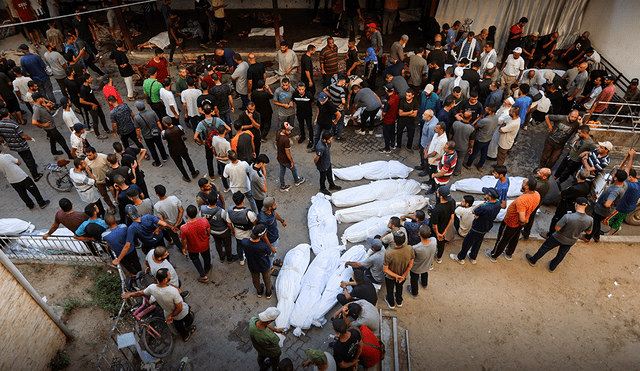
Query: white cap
490	65
459	71
517	50
428	89
606	145
270	314
536	34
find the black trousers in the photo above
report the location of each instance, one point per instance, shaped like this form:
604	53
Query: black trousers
265	124
28	159
219	240
131	262
173	44
595	231
567	168
178	160
159	109
219	28
326	175
305	122
343	299
90	63
415	277
561	211
526	229
97	114
208	153
55	137
547	246
411	129
169	234
27	185
125	138
507	238
393	286
62	87
440	245
206	257
154	143
183	325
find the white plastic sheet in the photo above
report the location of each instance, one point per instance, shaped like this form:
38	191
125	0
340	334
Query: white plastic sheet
321	41
376	170
311	288
294	265
375	191
398	205
323	228
475	185
270	31
14	226
366	228
332	289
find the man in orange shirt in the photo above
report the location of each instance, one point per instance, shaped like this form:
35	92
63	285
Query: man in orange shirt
516	217
243	143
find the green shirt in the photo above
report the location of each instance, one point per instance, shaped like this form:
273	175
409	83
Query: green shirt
151	89
579	146
264	341
181	85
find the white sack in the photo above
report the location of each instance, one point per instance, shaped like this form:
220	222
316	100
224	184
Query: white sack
321	41
269	31
375	170
475	185
14	226
160	40
366	228
332	289
294	265
375	191
398	205
311	288
323	229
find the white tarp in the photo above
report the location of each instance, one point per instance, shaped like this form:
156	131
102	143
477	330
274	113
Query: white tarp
269	31
311	288
14	226
294	265
32	245
323	228
375	191
376	170
475	185
398	205
161	40
321	41
331	291
366	228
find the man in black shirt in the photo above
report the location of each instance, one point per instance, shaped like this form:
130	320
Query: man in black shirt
472	105
120	58
131	157
442	218
262	97
436	73
437	55
91	105
407	113
251	121
304	101
205	99
325	117
568	198
255	73
361	288
222	99
352	58
306	70
347	347
471	76
72	86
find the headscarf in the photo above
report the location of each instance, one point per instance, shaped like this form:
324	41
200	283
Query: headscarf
371	56
458	73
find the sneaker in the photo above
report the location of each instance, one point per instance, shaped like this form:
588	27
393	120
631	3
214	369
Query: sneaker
411	292
431	267
45	204
487	252
309	145
384	150
525	236
399	304
473	261
507	256
57	153
530	260
431	191
242	262
418	167
270	295
339	137
360	132
438	260
186	179
286	188
302	139
325	191
209	177
454	257
156	164
102	137
227	190
300	181
551	270
335	188
390	306
195	175
165	160
185	294
584	238
396	150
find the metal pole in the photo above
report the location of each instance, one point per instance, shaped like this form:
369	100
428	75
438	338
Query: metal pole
276	23
27	286
406	332
123	26
396	357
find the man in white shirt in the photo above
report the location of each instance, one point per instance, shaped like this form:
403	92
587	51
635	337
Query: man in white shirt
487	56
78	140
190	104
20	181
169	101
508	132
20	86
84	182
157	259
436	148
287	61
240	77
99	166
588	100
512	70
464	215
68	116
169	209
237	173
534	79
221	147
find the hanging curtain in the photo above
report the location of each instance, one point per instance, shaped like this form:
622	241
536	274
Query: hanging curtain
545	16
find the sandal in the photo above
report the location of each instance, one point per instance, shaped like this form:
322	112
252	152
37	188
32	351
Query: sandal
191	331
277	262
204	279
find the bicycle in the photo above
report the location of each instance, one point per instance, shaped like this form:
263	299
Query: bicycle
156	335
58	176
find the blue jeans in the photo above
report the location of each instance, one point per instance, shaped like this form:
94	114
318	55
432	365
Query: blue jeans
479	148
245	100
337	128
317	132
226	117
548	245
473	241
283	169
239	249
221	166
272	256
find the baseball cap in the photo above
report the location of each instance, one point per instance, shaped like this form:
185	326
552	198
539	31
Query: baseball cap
444	191
372	25
535	33
634	81
582	201
131	212
268	202
517	50
375	243
139	105
36	95
106	78
78	127
269	314
428	89
610	77
388	87
287	126
606	145
490	65
323	96
258	231
23	47
316	356
492	192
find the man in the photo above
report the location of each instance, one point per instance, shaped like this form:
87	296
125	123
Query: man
151	88
194	236
251	120
258	179
243	220
58	65
529	45
412	227
417	68
264	340
306	69
361	289
488	56
67	217
258	254
237	173
35	67
269	218
43	118
396	53
424	252
352	58
399	83
174	33
176	311
596	160
472	76
221	229
472	105
84	181
523	102
243	144
221	147
565	236
348	346
283	99
544	52
21	89
577	49
287	61
631	95
322	160
570	164
84	52
160	63
509	128
20	181
397	264
576	86
91	105
389	116
427	133
170	210
372	265
169	102
73	87
223	59
190	98
322	361
116	238
512	69
359	313
25	13
604	98
429	101
304	111
327	117
485	129
207	190
542	187
147	229
255	73
568	197
437	56
283	144
442	219
204	132
517	216
468	48
329	61
629	200
119	56
407	113
177	149
606	205
446	164
367	98
122	122
338	96
240	77
564	128
108	89
464	136
588	100
147	124
78	140
157	259
262	97
92	228
144	207
434	150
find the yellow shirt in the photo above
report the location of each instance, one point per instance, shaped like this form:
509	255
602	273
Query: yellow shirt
220	12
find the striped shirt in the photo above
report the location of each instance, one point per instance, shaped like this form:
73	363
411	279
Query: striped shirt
337	94
12	135
329	58
448	165
599	163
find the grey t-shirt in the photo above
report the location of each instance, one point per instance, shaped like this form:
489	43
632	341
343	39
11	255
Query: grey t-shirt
154	267
401	86
571	226
145	208
397	52
147	122
613	193
167	209
375	264
55	60
462	135
487	126
222	147
168	297
424	256
367	98
41	115
257	182
368	317
284	97
238	176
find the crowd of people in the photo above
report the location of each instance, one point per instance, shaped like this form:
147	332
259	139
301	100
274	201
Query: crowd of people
463	103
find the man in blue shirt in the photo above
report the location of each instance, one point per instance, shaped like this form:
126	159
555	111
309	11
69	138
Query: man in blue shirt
223	57
269	217
34	65
502	185
451	35
629	200
323	163
257	253
485	214
116	238
445	113
413	227
146	229
93	227
523	102
429	100
427	133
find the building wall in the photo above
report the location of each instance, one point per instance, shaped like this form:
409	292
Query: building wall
29	337
613	25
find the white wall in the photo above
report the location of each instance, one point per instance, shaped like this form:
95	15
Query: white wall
613	25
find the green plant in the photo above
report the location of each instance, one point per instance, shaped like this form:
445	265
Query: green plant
38	268
60	361
106	291
71	303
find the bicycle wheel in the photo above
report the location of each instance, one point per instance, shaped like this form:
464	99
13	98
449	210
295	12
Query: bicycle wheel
158	345
59	180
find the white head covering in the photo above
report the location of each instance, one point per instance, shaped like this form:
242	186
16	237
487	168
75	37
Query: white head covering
458	72
270	314
510	100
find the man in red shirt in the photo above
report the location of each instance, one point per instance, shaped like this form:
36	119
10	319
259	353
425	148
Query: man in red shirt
109	90
389	116
515	34
160	62
603	99
195	239
26	13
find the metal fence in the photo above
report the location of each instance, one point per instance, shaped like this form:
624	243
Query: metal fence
54	249
621	116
